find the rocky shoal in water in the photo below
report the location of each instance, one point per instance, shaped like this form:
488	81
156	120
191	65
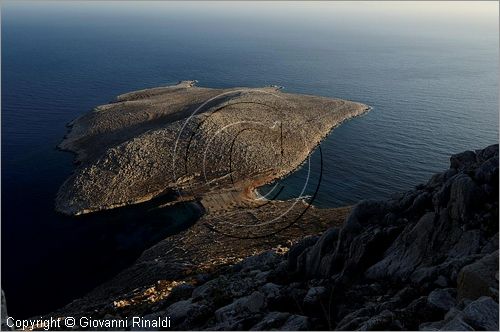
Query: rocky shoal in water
426	259
192	141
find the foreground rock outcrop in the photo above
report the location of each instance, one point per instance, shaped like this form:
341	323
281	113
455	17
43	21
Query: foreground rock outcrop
192	141
426	259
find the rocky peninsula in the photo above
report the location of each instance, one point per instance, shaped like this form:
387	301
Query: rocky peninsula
426	259
201	144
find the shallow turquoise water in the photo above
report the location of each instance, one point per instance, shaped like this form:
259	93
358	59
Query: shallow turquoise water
430	75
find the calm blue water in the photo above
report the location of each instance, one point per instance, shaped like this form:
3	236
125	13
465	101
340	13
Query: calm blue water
430	74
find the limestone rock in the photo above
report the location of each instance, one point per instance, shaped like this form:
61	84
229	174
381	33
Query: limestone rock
272	320
456	324
242	309
296	323
482	314
314	295
442	299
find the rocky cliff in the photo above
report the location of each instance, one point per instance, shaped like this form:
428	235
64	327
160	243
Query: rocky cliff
426	259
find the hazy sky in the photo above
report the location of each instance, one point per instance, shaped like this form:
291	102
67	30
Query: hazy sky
466	9
461	19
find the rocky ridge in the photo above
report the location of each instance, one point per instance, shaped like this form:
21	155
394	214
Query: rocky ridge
426	259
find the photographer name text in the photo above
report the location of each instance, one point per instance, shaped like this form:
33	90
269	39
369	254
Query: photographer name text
87	323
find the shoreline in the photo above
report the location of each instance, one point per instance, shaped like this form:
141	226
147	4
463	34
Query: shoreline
275	180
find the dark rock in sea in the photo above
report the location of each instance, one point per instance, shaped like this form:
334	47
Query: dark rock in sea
463	160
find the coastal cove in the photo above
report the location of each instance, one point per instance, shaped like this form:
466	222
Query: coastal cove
433	93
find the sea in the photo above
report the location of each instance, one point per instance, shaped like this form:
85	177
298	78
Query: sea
429	71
